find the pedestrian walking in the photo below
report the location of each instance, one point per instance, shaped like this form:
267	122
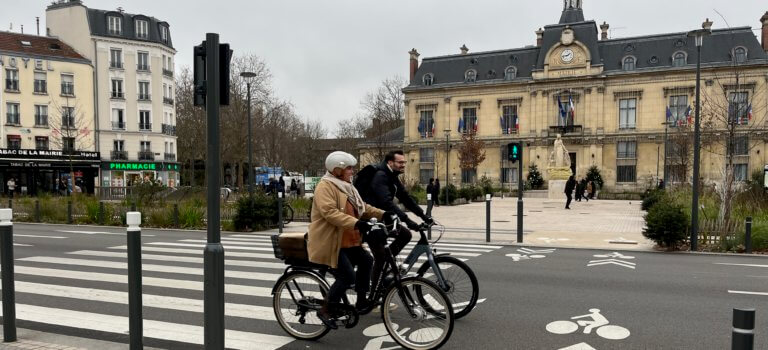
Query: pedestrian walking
281	186
569	187
579	191
590	190
11	185
431	187
582	189
436	193
294	188
594	189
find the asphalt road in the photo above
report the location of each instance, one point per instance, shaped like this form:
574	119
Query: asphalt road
76	285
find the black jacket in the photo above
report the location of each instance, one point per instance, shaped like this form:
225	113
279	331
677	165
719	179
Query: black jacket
385	187
569	186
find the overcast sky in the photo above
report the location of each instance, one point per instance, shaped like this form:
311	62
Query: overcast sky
326	54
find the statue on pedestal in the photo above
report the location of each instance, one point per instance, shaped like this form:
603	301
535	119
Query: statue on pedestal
559	161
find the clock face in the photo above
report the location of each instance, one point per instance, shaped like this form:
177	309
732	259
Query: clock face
567	55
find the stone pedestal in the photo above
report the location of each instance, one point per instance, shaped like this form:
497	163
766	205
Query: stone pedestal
557	189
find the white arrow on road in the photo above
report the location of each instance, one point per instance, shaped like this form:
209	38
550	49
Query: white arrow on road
621	263
579	346
534	251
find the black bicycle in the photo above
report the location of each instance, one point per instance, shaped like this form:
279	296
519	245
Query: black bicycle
416	312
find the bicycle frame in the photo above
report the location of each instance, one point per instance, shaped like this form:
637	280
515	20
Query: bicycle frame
423	247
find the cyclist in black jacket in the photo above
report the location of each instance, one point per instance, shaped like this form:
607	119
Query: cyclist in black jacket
385	187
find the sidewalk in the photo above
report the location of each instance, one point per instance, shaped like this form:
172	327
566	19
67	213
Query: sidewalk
29	339
599	224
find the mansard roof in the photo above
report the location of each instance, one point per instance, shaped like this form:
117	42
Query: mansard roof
99	26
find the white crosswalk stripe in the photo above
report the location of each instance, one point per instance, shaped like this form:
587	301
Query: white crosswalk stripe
87	288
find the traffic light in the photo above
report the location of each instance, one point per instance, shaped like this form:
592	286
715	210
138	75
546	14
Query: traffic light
199	73
514	151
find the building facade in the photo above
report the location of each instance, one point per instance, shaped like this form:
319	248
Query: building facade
46	103
612	101
133	60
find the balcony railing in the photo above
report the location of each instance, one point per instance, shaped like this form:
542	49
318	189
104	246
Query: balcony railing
116	64
142	67
168	73
12	118
146	155
41	86
12	84
169	130
119	155
41	120
145	126
171	157
118	94
118	125
168	101
68	89
144	97
566	129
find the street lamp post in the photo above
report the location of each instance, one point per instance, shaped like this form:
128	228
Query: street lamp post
666	171
248	76
699	35
447	156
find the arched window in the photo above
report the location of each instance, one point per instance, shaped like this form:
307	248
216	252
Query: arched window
629	63
679	59
427	79
510	73
470	76
740	55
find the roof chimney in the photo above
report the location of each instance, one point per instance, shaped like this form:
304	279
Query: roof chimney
764	20
22	29
37	20
707	25
539	37
464	49
604	31
414	62
120	9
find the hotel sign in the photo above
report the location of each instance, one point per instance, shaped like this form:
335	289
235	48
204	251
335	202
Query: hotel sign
47	154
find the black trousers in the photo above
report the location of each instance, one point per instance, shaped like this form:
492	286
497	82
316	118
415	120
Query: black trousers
570	198
345	272
378	248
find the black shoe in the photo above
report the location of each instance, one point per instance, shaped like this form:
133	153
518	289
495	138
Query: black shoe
325	316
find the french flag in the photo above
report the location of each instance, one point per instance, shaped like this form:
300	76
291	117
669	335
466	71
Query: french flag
749	112
474	127
517	122
433	128
689	115
669	114
461	124
571	110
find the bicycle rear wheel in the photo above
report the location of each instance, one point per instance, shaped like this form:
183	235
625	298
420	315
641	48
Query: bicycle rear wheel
463	289
421	323
287	214
296	300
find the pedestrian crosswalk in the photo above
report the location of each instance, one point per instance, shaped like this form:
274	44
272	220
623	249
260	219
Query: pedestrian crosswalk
88	289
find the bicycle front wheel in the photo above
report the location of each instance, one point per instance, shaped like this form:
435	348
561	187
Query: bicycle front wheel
462	287
297	298
417	322
287	214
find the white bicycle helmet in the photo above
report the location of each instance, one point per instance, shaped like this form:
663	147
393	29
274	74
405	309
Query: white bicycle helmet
339	159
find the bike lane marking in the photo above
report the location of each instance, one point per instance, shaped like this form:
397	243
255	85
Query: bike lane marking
613	259
594	320
530	254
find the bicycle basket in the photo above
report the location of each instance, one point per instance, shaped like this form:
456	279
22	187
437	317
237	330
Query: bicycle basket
290	246
276	247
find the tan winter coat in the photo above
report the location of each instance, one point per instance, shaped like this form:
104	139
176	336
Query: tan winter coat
329	222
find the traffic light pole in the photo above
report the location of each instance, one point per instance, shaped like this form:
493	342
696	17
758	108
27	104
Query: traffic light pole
520	196
214	251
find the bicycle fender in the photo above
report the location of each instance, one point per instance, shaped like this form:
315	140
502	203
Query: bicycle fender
293	272
442	254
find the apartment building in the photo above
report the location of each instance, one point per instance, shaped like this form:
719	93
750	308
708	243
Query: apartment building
47	112
133	59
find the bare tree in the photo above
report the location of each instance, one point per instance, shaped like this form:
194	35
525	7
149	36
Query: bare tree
679	152
471	151
190	121
70	131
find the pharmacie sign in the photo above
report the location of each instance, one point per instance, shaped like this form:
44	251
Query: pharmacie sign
133	166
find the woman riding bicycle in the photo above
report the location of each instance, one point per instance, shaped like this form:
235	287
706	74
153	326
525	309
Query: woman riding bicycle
338	223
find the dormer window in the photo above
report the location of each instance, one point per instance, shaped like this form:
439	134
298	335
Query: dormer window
164	34
740	55
142	29
26	43
115	25
470	76
628	64
510	73
679	59
427	79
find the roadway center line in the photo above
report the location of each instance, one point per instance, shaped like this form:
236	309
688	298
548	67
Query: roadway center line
745	292
748	265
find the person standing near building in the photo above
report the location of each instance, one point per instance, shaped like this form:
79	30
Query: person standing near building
569	186
281	185
431	187
436	193
590	190
11	184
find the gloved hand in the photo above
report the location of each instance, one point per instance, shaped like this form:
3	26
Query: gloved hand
363	226
411	224
428	220
389	217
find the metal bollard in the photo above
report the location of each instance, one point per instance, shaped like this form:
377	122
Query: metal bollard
280	212
10	203
488	217
429	214
37	210
176	215
69	212
748	235
133	206
743	335
135	318
102	214
8	285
